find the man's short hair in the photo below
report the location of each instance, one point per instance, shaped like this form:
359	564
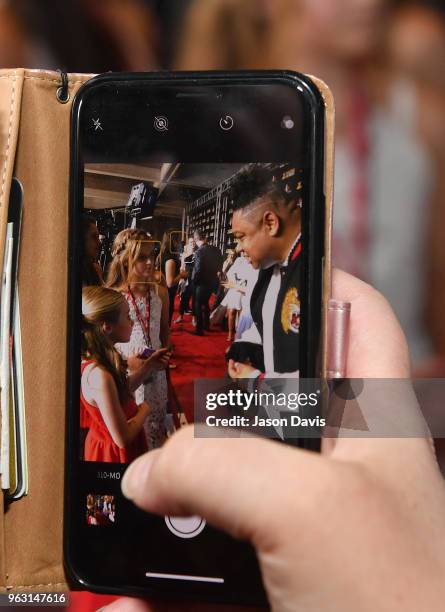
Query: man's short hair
252	184
200	235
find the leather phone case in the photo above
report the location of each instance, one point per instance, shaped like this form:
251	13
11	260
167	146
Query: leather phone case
35	148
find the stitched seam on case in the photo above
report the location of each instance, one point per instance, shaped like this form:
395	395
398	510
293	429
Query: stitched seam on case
8	143
25	586
31	78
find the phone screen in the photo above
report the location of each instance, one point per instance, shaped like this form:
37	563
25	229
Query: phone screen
193	256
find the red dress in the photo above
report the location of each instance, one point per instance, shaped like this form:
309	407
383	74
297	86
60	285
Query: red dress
99	445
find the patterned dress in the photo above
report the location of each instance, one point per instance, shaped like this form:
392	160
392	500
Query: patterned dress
154	391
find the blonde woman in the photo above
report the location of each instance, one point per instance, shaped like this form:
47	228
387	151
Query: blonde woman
132	273
116	422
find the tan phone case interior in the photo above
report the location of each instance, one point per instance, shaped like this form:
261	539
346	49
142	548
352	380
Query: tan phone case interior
34	147
35	135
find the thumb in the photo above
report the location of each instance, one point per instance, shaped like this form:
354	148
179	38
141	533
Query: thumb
234	483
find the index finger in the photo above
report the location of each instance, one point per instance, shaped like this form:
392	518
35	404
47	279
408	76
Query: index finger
222	479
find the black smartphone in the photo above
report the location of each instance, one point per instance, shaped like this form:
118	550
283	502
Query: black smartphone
179	180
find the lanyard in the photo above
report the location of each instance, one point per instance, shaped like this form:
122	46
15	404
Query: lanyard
144	323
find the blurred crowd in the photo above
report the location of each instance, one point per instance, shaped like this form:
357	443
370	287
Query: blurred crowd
384	61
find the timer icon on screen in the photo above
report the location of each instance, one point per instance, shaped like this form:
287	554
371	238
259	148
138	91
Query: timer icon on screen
226	123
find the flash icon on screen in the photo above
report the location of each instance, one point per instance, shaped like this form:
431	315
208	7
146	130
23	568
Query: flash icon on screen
97	125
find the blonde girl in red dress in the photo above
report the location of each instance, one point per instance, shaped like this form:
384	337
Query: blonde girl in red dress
116	422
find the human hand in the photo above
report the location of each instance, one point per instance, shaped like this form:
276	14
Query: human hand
135	362
159	360
359	527
144	409
240	370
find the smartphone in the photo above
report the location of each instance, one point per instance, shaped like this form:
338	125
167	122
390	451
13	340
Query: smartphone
182	171
146	353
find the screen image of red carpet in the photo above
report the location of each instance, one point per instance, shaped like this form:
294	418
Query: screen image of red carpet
195	357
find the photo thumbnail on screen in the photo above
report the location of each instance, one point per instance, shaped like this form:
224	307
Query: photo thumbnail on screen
100	510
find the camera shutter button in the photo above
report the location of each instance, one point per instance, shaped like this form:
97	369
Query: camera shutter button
185	526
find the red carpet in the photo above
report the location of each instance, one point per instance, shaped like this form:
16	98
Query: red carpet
83	601
195	357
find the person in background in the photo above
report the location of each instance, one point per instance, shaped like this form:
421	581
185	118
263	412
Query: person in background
416	43
170	15
390	135
187	264
208	262
107	506
232	299
116	421
170	266
222	277
266	224
14	46
91	271
250	276
131	272
116	35
91	274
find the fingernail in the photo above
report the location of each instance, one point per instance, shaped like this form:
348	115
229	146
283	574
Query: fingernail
136	475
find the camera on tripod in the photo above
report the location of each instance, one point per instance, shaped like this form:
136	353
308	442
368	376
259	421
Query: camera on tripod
140	205
142	201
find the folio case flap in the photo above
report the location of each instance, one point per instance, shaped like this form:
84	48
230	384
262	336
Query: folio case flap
34	147
11	84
